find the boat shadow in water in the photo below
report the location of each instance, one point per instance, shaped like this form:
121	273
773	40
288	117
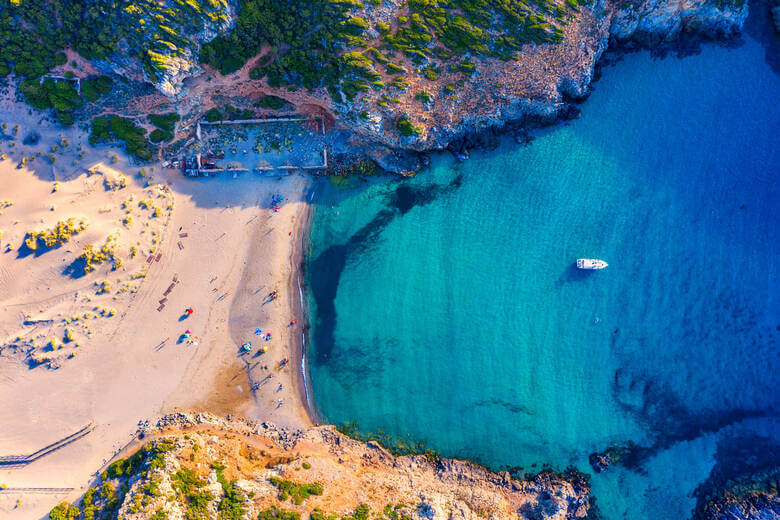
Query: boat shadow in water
572	274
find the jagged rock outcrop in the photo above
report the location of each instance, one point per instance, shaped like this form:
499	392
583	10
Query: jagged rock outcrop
162	63
657	20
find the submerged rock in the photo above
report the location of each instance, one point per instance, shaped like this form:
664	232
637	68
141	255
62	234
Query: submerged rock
600	461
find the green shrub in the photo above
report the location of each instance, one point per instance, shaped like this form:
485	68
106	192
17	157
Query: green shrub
271	102
319	515
430	73
59	95
423	96
91	257
274	513
61	234
165	121
467	67
133	136
158	135
392	68
377	55
399	83
361	512
64	511
159	515
92	89
101	130
406	128
294	491
121	129
355	25
213	115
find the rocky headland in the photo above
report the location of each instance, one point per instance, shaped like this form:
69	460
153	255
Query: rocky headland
202	466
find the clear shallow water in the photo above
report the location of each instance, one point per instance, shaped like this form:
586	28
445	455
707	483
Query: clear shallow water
447	309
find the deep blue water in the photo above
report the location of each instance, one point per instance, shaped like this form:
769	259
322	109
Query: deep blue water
446	308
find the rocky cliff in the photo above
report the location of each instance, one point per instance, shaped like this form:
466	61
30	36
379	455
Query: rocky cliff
539	83
205	467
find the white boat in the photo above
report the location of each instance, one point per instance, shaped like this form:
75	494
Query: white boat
591	263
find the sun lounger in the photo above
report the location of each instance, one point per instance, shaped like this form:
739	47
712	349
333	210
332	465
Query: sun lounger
181	246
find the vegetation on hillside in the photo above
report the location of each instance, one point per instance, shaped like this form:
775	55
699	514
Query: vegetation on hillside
306	44
104	501
32	32
115	128
324	43
62	96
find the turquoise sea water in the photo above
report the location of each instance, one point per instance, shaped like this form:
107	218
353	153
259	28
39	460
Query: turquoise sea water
446	308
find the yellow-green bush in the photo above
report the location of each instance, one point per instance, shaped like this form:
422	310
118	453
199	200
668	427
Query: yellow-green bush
91	257
60	234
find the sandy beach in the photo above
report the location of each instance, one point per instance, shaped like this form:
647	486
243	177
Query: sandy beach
110	347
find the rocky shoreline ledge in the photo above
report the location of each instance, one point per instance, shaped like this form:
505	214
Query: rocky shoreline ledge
200	464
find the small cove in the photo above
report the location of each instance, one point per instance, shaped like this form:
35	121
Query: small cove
446	308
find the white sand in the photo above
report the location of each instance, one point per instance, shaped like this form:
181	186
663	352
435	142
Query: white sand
131	368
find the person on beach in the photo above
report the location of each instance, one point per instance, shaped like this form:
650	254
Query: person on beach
279	389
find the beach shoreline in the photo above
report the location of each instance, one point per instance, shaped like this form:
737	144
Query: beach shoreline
115	346
297	286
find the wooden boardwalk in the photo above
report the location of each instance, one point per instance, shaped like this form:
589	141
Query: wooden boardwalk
41	490
16	461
